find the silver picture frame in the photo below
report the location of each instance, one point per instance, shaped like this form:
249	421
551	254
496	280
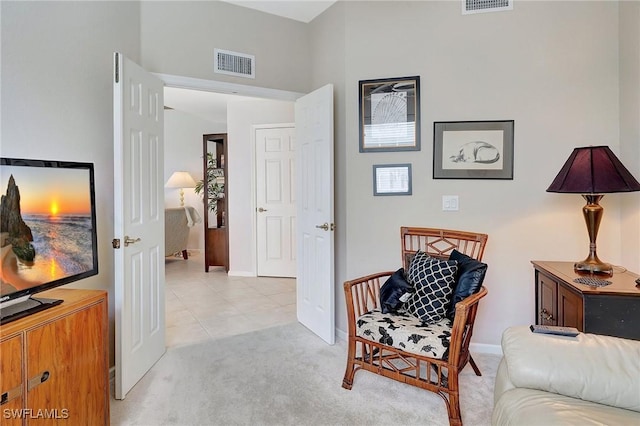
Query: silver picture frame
473	149
392	179
390	114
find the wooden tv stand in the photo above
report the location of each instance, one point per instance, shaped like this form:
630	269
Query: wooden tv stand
55	363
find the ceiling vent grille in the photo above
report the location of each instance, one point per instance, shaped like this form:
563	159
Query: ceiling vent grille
234	63
481	6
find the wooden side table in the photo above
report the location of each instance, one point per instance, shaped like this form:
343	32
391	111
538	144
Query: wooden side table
613	310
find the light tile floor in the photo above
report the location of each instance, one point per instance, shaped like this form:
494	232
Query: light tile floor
204	305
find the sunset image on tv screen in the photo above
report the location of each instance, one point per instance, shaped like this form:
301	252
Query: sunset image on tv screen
45	225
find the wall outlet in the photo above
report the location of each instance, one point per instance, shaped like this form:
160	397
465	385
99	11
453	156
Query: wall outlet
450	203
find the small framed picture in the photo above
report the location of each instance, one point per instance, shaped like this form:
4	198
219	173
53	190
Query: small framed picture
390	114
392	179
473	149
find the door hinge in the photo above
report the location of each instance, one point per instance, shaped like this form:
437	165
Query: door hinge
115	243
117	73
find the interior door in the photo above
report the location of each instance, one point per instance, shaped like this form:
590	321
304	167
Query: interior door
138	222
315	246
276	202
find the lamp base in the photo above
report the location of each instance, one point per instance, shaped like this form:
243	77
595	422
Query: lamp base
590	266
592	213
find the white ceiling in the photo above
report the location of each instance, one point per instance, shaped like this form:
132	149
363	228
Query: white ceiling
213	106
209	106
300	10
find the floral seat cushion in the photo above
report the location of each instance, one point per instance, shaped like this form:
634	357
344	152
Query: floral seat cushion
407	333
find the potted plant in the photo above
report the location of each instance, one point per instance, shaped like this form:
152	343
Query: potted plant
215	186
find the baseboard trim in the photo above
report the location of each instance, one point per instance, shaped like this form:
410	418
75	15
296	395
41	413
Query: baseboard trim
485	348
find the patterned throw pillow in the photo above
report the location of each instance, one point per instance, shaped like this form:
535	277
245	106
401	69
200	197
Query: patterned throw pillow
433	281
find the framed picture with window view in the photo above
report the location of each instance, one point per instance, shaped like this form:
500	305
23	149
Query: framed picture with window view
392	179
390	114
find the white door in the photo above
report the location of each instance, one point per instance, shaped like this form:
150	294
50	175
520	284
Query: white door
314	165
138	222
276	202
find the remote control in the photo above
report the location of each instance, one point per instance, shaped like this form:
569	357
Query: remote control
637	281
554	329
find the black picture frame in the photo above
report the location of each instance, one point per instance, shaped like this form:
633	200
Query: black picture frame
473	149
392	179
389	111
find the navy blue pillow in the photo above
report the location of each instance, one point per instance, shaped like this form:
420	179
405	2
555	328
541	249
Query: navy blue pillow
470	276
392	291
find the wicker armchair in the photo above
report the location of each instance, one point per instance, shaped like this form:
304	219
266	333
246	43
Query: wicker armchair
435	374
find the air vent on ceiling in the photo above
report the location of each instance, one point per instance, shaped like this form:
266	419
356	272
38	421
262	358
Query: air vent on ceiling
234	63
481	6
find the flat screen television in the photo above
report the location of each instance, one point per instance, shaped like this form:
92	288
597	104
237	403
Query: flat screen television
47	231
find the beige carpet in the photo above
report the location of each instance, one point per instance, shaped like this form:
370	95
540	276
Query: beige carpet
287	376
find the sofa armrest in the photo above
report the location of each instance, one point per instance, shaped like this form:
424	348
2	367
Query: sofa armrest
176	230
503	381
595	368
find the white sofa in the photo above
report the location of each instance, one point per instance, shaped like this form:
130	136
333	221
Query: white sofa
556	380
177	222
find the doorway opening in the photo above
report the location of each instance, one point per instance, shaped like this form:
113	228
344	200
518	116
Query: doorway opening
207	305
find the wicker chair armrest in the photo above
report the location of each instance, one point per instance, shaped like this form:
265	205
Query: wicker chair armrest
463	322
364	279
463	306
363	294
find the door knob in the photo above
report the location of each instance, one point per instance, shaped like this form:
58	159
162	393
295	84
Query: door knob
128	240
260	209
325	226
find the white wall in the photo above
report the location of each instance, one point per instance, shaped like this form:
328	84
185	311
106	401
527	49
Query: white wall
183	152
550	66
57	100
56	67
242	115
553	67
630	128
179	37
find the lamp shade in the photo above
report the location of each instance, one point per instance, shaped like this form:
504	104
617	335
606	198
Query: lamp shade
593	170
180	180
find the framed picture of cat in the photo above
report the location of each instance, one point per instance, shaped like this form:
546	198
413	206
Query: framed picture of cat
473	149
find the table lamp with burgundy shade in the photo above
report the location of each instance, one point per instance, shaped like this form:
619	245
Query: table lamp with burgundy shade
593	171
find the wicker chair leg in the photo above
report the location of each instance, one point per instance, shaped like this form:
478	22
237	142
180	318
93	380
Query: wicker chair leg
454	405
474	366
350	371
347	381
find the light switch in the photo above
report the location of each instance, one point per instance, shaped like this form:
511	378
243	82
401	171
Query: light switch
450	203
